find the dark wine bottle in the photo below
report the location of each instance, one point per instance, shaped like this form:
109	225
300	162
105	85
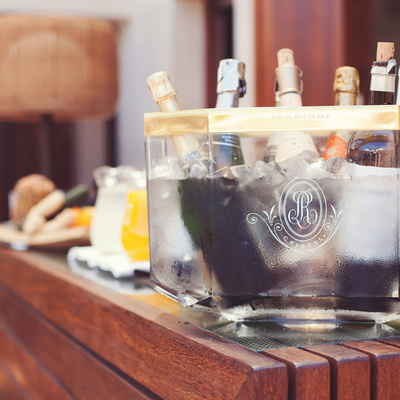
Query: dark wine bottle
378	148
231	85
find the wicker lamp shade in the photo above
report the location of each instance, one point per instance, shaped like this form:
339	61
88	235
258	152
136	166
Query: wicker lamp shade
60	66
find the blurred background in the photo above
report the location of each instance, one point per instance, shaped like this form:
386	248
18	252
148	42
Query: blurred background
186	38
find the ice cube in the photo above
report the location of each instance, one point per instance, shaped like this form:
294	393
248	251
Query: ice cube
335	164
168	168
295	167
275	174
242	173
338	168
198	169
259	169
317	169
220	173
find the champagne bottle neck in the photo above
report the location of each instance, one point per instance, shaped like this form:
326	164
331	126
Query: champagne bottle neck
169	103
291	99
228	99
186	146
289	85
383	82
346	86
345	99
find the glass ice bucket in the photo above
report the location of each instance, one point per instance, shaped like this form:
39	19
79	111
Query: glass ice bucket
300	240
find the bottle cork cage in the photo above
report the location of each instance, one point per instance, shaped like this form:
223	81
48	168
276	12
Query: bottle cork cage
295	240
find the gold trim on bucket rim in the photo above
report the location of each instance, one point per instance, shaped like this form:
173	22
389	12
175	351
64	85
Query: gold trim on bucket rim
257	121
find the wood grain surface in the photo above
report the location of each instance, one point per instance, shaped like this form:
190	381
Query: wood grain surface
90	342
350	371
9	389
28	373
66	361
385	367
171	358
309	374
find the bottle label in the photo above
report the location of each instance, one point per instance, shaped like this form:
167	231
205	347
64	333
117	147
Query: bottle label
294	143
227	140
383	83
303	220
227	150
271	148
188	158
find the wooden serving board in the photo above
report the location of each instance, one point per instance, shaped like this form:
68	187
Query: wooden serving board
60	239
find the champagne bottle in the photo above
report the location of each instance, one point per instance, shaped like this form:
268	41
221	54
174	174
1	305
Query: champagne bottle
186	146
273	139
378	148
398	88
231	85
383	75
346	88
289	85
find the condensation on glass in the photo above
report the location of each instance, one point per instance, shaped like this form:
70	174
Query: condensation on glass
298	240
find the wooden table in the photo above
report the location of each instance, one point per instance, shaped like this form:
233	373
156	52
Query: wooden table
65	337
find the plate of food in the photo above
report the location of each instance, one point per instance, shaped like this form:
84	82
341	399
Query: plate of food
42	216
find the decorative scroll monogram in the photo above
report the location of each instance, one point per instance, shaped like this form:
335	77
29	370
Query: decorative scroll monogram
303	221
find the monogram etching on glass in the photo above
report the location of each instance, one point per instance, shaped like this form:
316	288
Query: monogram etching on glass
303	220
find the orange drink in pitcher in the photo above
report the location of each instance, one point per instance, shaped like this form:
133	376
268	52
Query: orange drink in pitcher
135	230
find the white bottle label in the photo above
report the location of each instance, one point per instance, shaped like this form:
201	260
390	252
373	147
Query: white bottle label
381	81
294	143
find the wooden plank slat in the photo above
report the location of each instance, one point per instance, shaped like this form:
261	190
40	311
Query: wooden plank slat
350	371
78	370
9	389
170	357
29	374
392	341
385	368
309	374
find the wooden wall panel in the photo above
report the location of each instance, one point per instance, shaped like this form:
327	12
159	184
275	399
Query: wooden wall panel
22	147
359	47
219	43
323	34
22	153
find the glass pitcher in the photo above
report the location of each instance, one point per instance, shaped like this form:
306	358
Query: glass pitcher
135	229
113	186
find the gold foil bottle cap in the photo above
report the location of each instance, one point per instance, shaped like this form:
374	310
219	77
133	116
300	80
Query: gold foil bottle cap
384	51
346	80
160	86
